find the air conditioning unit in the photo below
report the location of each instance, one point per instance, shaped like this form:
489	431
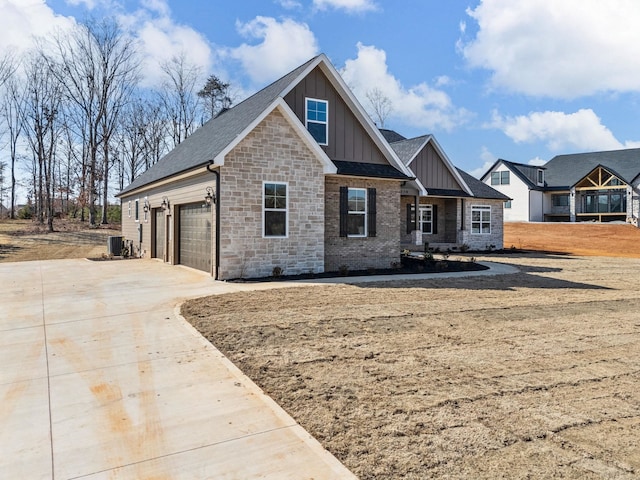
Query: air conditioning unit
114	246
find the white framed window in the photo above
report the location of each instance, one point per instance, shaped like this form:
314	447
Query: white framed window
425	219
357	212
129	208
540	176
507	204
560	200
481	219
136	210
275	209
500	178
317	119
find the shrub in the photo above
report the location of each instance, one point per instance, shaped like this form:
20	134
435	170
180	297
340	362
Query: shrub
25	213
277	272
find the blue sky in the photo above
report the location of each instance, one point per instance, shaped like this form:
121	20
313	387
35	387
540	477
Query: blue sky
523	80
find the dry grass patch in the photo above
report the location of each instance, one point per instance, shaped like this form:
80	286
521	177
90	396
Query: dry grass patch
25	240
530	375
600	239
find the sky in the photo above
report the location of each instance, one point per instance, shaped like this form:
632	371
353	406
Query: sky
522	80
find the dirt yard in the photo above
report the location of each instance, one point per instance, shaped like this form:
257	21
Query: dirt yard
24	240
528	375
608	239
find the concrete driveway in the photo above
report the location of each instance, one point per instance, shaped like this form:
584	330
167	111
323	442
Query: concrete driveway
100	378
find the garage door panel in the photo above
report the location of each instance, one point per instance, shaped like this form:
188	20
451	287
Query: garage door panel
195	236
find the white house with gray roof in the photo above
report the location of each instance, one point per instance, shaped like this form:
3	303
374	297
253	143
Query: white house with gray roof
593	186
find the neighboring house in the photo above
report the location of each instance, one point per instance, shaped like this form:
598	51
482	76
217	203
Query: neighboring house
600	186
523	184
454	208
297	179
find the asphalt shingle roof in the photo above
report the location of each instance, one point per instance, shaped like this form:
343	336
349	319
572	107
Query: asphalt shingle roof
481	189
408	148
391	135
212	138
567	170
374	170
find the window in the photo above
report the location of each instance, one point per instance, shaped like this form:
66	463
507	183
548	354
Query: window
426	218
500	178
275	209
507	204
607	202
540	176
137	210
316	119
561	200
357	213
480	219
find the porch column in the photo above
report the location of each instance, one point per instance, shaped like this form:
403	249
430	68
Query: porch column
572	204
417	233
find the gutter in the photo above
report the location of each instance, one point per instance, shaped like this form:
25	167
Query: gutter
217	204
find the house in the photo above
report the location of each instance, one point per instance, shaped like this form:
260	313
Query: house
295	179
454	208
594	186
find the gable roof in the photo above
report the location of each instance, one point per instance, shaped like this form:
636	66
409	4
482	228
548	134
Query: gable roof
219	135
391	135
527	173
568	170
480	189
408	149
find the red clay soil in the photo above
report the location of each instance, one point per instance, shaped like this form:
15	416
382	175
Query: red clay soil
599	239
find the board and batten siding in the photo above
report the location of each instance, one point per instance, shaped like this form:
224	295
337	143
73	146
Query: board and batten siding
347	138
432	171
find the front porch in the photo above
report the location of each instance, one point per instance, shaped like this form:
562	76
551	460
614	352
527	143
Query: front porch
437	220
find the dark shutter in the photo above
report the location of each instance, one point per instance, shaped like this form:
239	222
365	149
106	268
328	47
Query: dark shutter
344	210
409	221
371	214
434	219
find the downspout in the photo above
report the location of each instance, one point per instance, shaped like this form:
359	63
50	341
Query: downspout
217	203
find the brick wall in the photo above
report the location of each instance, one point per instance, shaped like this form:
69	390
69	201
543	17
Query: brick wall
273	152
361	253
482	241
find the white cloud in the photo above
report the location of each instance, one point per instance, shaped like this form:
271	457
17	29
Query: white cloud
22	19
348	5
289	4
161	39
418	106
582	130
554	48
537	161
284	45
488	160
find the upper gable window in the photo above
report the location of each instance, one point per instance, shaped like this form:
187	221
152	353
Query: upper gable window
500	178
540	176
316	117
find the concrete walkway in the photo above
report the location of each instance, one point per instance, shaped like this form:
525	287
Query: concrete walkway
100	378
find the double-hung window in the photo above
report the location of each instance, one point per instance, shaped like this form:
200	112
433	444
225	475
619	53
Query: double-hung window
426	218
480	219
316	119
357	214
137	210
274	209
500	178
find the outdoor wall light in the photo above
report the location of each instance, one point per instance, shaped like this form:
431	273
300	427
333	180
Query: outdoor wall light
210	197
146	206
165	203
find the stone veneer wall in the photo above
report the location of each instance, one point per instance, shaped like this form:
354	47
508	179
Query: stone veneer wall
482	241
361	253
272	152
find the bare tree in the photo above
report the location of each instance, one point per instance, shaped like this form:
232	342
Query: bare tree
98	67
13	110
7	66
381	106
179	96
42	126
216	97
